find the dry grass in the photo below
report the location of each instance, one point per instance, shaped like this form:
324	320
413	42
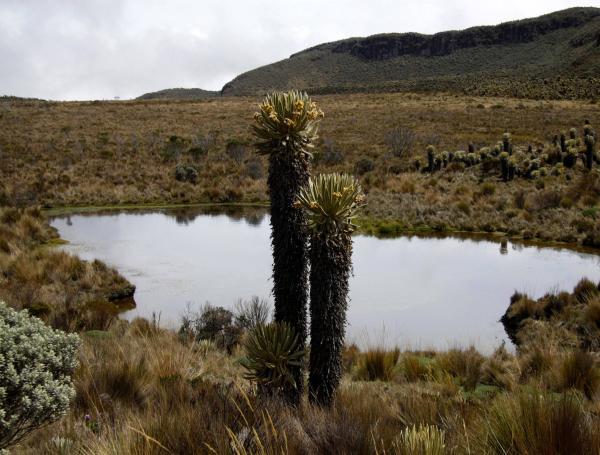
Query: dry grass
141	390
67	292
377	364
556	321
111	153
532	423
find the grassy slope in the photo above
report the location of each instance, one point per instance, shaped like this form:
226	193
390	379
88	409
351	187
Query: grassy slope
67	154
179	94
490	68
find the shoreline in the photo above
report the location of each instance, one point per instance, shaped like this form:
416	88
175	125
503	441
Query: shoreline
384	228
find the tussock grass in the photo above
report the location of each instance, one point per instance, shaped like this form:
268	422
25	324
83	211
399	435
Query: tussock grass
533	423
377	364
65	154
65	291
144	390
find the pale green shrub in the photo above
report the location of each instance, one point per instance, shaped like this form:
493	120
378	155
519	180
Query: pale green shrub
421	440
36	363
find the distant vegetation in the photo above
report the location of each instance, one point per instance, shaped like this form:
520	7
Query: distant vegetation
132	152
179	94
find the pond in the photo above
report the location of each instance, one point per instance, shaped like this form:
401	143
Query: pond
416	292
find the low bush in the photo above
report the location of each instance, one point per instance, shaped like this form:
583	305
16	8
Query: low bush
377	364
211	323
579	370
530	422
186	173
36	364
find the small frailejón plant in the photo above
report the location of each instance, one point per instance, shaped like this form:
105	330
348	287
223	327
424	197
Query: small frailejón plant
36	364
272	353
422	440
286	127
331	202
590	142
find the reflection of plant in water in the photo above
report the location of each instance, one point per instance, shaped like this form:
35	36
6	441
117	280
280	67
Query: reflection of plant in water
253	216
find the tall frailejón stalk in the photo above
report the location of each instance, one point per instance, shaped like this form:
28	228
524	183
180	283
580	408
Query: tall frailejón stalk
285	127
330	202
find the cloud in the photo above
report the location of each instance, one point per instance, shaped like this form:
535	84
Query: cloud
93	49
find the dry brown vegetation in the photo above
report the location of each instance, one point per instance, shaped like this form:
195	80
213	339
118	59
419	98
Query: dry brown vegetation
143	390
112	153
571	318
65	291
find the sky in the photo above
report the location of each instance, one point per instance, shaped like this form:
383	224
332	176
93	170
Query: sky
102	49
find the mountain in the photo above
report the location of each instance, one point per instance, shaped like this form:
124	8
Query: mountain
179	94
552	56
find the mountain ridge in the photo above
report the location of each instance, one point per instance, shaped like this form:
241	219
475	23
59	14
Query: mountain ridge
561	44
553	56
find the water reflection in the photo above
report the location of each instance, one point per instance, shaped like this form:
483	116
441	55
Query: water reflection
504	247
425	291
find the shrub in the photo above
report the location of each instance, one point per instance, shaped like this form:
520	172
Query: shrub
251	313
592	312
585	290
236	150
211	323
535	423
579	371
377	364
519	198
185	173
202	144
364	165
466	365
401	141
36	364
330	154
254	169
548	199
172	148
592	238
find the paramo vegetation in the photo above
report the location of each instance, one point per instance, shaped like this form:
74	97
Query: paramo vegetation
243	382
131	152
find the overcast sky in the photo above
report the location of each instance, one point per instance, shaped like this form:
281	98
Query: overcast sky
99	49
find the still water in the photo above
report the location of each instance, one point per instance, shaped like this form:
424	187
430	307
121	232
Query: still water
410	291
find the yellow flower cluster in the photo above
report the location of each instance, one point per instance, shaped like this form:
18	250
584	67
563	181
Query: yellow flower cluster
299	110
267	109
314	112
337	194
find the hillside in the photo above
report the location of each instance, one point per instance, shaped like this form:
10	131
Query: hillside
553	56
179	94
